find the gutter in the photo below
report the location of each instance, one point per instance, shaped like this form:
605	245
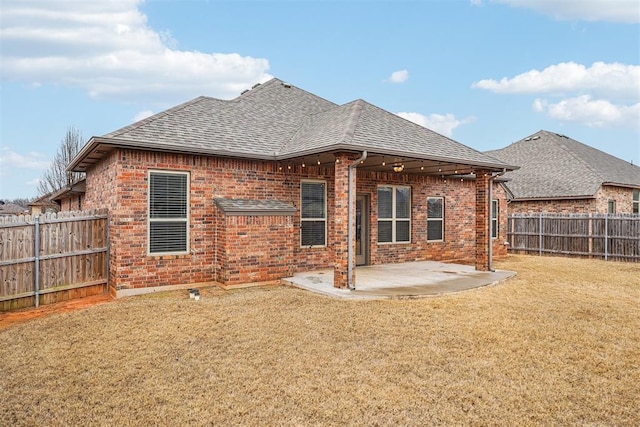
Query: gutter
350	218
492	178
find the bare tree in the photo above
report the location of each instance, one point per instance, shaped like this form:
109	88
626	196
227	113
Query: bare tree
57	177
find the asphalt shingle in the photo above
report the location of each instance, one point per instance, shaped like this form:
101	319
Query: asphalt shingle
278	121
555	166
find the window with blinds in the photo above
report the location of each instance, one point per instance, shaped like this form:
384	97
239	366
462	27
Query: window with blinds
168	212
435	219
494	218
313	213
394	214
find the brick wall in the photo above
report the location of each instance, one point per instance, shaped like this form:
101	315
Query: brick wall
119	182
623	196
459	227
72	202
256	248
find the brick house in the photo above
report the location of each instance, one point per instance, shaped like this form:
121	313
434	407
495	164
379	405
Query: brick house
279	180
71	197
43	205
561	175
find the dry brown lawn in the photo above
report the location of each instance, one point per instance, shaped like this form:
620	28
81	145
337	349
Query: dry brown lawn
559	344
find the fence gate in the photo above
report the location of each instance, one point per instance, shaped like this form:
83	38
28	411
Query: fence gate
608	236
53	257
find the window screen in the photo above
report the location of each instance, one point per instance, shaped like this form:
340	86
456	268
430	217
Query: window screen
495	208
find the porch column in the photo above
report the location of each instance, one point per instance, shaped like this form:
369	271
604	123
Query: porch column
482	220
341	226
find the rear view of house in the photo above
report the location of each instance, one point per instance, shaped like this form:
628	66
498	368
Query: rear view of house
561	175
279	180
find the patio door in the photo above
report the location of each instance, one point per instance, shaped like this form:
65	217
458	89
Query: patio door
362	229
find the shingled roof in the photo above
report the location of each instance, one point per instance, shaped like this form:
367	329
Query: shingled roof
554	166
277	121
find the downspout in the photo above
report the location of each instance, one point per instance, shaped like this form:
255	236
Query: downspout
491	216
350	191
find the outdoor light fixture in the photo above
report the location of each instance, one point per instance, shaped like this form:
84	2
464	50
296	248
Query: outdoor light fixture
398	168
383	162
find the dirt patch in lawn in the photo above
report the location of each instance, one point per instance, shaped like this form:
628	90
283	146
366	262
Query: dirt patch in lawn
20	316
559	344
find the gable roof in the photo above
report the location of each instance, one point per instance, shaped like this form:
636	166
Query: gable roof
554	166
277	121
11	209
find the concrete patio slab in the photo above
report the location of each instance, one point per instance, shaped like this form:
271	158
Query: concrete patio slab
409	279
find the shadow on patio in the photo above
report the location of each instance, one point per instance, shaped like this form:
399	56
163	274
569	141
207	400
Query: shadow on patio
409	279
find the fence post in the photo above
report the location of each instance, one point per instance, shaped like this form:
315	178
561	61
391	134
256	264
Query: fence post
540	234
590	232
606	237
36	250
108	254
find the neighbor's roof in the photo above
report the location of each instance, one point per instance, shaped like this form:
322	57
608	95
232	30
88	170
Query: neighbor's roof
77	187
554	166
11	209
277	121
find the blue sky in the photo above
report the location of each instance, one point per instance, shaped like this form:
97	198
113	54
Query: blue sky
484	72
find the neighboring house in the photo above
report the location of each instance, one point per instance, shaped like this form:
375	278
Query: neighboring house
43	205
11	209
561	175
279	180
71	197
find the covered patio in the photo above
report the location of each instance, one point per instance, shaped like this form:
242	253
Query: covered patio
403	280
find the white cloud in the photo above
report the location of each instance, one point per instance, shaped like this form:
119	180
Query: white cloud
602	95
591	112
108	50
588	10
399	76
9	159
442	123
142	115
612	79
477	3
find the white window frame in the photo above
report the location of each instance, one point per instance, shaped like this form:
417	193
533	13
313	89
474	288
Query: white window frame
394	220
611	206
635	203
314	181
150	220
441	219
495	218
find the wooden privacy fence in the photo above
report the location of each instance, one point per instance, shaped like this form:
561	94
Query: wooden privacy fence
52	257
608	236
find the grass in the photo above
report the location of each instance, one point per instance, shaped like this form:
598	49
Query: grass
559	344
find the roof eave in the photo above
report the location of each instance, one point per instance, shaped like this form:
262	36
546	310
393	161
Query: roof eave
399	153
95	142
621	184
556	198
